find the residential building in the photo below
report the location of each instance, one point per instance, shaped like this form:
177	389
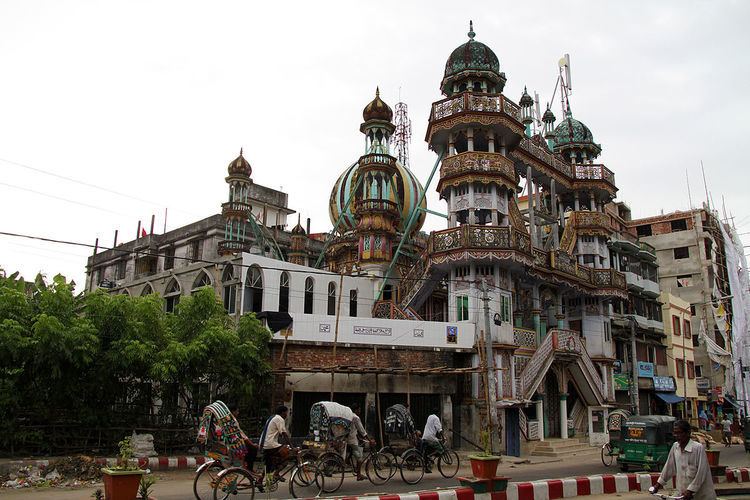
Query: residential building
680	352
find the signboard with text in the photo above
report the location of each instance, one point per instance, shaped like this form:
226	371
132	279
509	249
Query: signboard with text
645	369
664	384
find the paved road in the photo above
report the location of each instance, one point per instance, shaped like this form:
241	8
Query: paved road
177	485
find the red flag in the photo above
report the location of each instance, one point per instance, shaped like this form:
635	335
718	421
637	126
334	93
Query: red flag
143	233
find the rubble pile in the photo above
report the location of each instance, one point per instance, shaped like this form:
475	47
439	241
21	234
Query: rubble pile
71	471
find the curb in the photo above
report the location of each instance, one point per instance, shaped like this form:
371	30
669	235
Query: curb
153	463
551	489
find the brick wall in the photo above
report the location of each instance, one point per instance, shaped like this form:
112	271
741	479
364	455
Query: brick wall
318	356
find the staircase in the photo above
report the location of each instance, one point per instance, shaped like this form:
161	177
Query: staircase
566	448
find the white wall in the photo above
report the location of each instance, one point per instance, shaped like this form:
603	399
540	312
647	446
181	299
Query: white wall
383	332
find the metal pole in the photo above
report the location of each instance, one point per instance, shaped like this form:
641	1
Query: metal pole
633	369
490	368
336	330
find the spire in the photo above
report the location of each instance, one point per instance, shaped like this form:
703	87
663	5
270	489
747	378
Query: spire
471	30
240	150
377	91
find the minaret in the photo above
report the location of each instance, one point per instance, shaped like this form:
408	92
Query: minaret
237	210
527	117
376	209
549	127
297	253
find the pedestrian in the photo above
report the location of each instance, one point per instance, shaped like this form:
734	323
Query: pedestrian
687	462
703	420
727	431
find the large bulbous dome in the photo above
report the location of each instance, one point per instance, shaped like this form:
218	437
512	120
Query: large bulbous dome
409	193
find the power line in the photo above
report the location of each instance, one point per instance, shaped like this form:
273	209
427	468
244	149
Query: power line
63	199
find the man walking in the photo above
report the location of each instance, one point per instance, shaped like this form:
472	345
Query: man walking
727	430
688	462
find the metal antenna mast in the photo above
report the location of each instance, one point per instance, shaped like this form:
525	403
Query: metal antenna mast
402	134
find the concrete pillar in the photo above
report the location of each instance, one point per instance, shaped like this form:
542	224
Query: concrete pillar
491	142
493	197
471	203
592	205
530	183
576	203
605	380
451	144
542	327
470	139
564	416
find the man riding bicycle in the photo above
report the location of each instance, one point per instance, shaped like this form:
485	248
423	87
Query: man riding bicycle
432	438
273	434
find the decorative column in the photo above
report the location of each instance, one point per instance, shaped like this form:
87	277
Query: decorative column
564	416
542	327
540	415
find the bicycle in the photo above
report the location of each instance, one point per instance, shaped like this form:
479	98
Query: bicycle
306	480
608	455
378	467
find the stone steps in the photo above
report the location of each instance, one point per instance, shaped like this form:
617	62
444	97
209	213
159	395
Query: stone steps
561	448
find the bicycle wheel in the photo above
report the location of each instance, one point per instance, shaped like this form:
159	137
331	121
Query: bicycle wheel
205	480
307	481
391	454
607	456
411	467
235	483
448	463
332	467
379	468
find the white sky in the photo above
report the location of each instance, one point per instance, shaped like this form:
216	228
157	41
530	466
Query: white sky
154	98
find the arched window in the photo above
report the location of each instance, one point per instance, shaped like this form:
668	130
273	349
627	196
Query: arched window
172	296
147	290
230	288
353	303
284	292
253	290
331	298
309	289
202	280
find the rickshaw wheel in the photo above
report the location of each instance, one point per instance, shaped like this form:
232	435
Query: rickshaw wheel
307	481
205	480
393	456
331	465
411	467
379	468
235	482
607	457
448	463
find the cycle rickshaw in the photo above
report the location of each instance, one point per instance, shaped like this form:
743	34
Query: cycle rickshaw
224	475
330	424
401	436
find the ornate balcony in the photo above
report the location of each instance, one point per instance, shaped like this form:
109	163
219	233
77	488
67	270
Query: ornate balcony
477	165
593	172
233	246
236	209
377	159
590	223
488	108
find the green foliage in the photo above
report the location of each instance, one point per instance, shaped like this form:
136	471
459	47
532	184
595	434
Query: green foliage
98	354
144	488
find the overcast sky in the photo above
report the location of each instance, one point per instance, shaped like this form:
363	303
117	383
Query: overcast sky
153	99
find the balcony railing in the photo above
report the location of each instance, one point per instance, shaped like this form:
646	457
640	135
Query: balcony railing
233	246
377	159
237	207
545	156
478	161
593	172
475	102
375	205
525	338
598	221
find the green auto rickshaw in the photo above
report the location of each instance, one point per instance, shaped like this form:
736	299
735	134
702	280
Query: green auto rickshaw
645	442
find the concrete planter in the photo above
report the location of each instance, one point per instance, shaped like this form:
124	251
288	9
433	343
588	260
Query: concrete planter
484	466
121	484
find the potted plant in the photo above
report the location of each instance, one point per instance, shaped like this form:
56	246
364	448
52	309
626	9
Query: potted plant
121	481
484	465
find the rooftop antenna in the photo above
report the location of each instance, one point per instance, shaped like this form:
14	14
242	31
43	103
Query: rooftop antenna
402	134
705	186
564	80
538	117
690	197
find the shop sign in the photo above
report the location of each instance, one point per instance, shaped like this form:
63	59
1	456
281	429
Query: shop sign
664	384
703	383
645	369
622	382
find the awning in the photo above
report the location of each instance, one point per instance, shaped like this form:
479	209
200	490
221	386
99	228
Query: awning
729	399
669	397
275	320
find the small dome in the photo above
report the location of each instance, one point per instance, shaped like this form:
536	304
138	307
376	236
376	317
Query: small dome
240	166
526	99
377	109
298	229
571	130
471	56
548	116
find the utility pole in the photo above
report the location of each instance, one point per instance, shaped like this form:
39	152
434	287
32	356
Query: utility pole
336	330
633	368
492	400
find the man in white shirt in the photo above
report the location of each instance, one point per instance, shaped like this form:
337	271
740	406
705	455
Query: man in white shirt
274	433
688	462
356	432
727	429
432	438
